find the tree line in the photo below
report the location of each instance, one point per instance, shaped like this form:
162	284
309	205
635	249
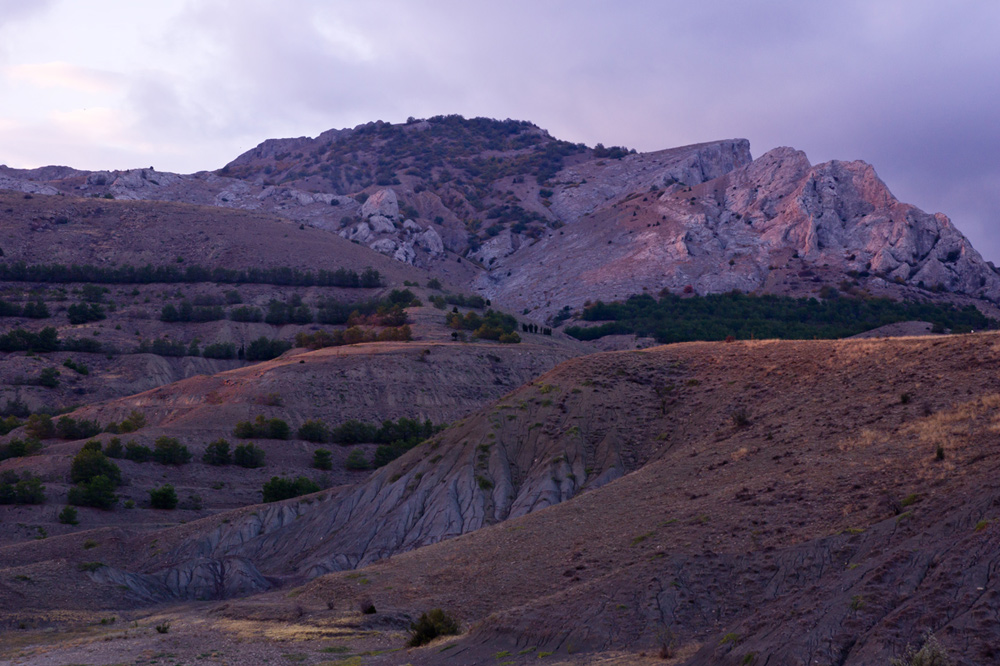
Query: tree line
746	316
149	274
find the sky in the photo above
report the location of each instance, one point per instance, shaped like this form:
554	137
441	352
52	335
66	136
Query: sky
910	86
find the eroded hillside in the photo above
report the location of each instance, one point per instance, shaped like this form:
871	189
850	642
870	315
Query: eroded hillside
789	502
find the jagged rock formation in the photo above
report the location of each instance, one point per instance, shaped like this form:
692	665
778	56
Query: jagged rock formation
750	229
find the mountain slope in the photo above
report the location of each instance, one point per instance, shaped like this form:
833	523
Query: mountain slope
504	206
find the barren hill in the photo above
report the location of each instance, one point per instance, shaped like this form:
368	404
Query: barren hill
749	509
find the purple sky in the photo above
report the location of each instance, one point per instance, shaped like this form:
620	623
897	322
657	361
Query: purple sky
909	86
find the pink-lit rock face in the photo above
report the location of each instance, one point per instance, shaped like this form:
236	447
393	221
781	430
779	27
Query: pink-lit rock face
761	226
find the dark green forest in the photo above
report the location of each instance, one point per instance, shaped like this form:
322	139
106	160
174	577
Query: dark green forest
745	316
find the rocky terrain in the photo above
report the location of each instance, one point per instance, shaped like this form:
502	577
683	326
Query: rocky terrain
748	506
541	224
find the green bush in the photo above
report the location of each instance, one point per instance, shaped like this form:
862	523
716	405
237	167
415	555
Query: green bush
163	498
71	429
223	350
169	451
89	463
356	460
40	426
99	493
264	349
49	378
137	452
68	516
9	423
29	490
432	624
248	455
217	453
322	459
114	449
279	488
261	428
19	448
314	431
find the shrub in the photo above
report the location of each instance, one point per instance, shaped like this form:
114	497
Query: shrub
137	452
278	488
432	624
169	451
68	516
248	455
19	448
264	349
262	428
81	313
356	460
40	426
99	492
223	350
8	424
136	420
114	449
217	453
29	490
69	428
246	313
322	459
314	431
49	378
163	498
89	463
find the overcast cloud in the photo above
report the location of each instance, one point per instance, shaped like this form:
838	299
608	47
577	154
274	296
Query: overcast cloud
909	86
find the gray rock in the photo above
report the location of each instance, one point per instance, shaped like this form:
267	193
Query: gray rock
382	203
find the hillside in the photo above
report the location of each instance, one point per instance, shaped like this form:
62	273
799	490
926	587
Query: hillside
748	510
537	224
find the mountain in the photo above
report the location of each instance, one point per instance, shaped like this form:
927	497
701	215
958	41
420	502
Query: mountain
539	224
332	300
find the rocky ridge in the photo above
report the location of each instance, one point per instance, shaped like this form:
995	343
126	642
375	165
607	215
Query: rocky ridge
545	224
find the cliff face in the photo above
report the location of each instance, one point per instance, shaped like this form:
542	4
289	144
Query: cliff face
756	227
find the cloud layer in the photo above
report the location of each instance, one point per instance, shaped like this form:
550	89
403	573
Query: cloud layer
909	86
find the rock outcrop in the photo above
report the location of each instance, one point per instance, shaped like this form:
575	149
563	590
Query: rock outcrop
755	228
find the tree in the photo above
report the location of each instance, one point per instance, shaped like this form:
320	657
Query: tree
29	490
68	516
217	453
137	452
40	426
248	455
169	451
49	378
163	498
432	624
356	460
278	488
89	463
322	459
99	493
314	431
